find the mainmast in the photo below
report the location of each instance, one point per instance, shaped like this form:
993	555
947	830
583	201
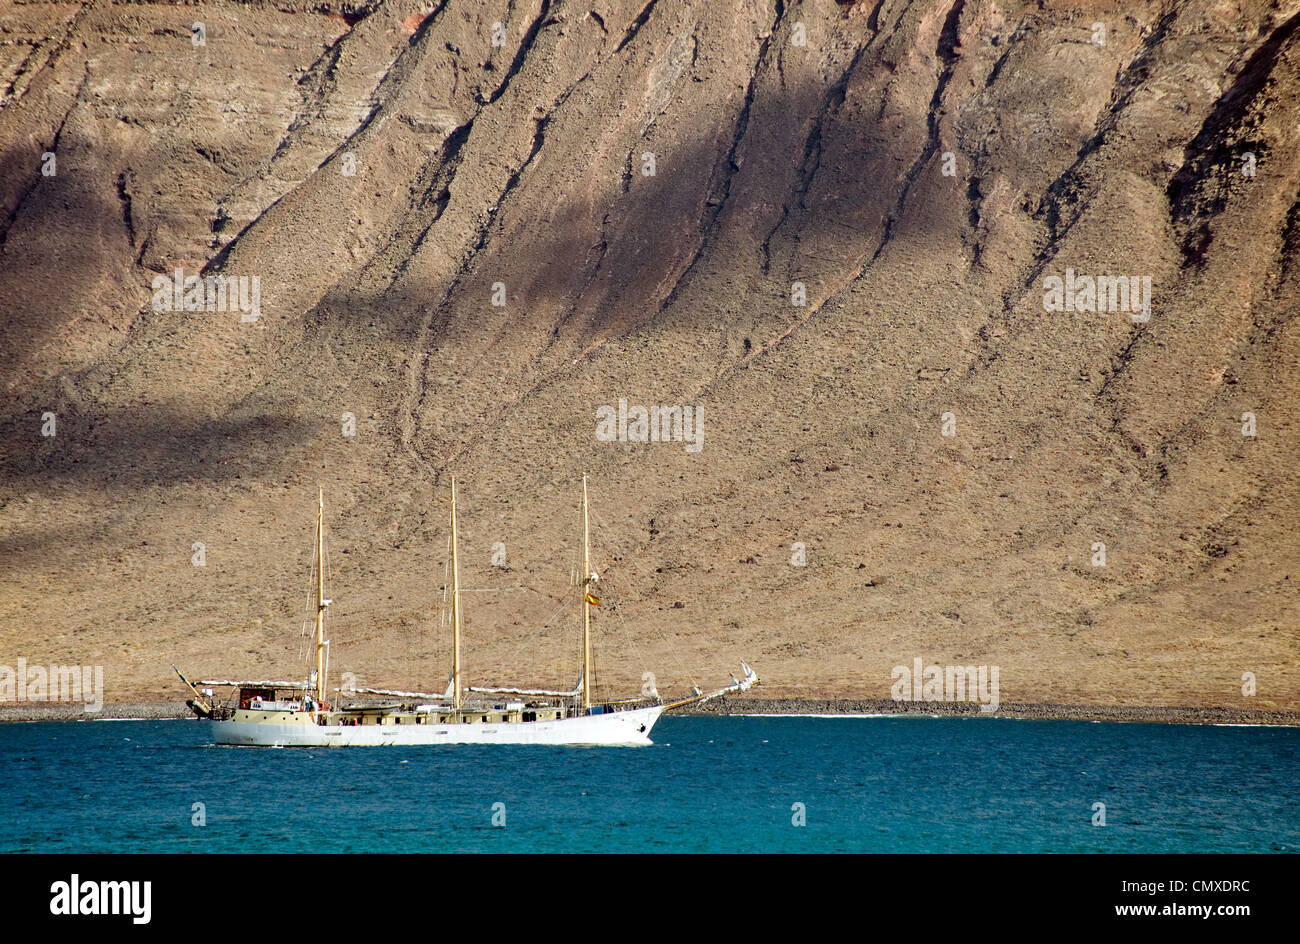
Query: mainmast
455	605
321	602
586	603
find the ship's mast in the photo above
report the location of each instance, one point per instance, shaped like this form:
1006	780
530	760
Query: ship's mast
586	605
321	602
455	605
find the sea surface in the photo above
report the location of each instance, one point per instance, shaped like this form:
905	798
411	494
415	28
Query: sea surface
708	784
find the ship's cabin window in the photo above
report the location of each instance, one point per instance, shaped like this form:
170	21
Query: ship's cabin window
248	695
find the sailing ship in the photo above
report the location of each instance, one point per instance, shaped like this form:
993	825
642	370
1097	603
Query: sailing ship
299	714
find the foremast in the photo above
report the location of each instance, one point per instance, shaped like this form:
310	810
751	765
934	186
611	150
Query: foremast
587	577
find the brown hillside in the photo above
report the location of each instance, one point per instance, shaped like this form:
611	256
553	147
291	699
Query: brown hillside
822	163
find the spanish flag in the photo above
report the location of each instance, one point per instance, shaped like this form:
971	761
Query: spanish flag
593	600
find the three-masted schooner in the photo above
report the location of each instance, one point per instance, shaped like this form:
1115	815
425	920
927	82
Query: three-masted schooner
299	714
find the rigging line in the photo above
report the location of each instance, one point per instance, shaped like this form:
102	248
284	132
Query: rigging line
551	618
676	656
357	639
328	571
680	665
311	594
607	568
636	645
444	612
604	525
531	656
540	634
671	647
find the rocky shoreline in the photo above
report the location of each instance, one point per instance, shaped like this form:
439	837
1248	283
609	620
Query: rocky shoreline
169	710
142	710
1039	712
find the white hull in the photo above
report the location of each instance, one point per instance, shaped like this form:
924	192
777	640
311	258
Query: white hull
620	728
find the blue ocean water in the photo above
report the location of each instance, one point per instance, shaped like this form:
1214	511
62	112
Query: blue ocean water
708	784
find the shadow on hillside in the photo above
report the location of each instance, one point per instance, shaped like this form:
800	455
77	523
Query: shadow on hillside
826	192
129	448
803	185
66	241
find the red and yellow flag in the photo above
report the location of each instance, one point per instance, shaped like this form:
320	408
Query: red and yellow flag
592	599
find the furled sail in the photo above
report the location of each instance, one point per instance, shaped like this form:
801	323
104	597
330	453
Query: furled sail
527	691
397	694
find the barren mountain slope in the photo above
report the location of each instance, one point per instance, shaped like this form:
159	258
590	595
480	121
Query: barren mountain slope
923	170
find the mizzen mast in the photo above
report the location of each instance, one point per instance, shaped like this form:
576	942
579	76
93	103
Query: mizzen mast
455	605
